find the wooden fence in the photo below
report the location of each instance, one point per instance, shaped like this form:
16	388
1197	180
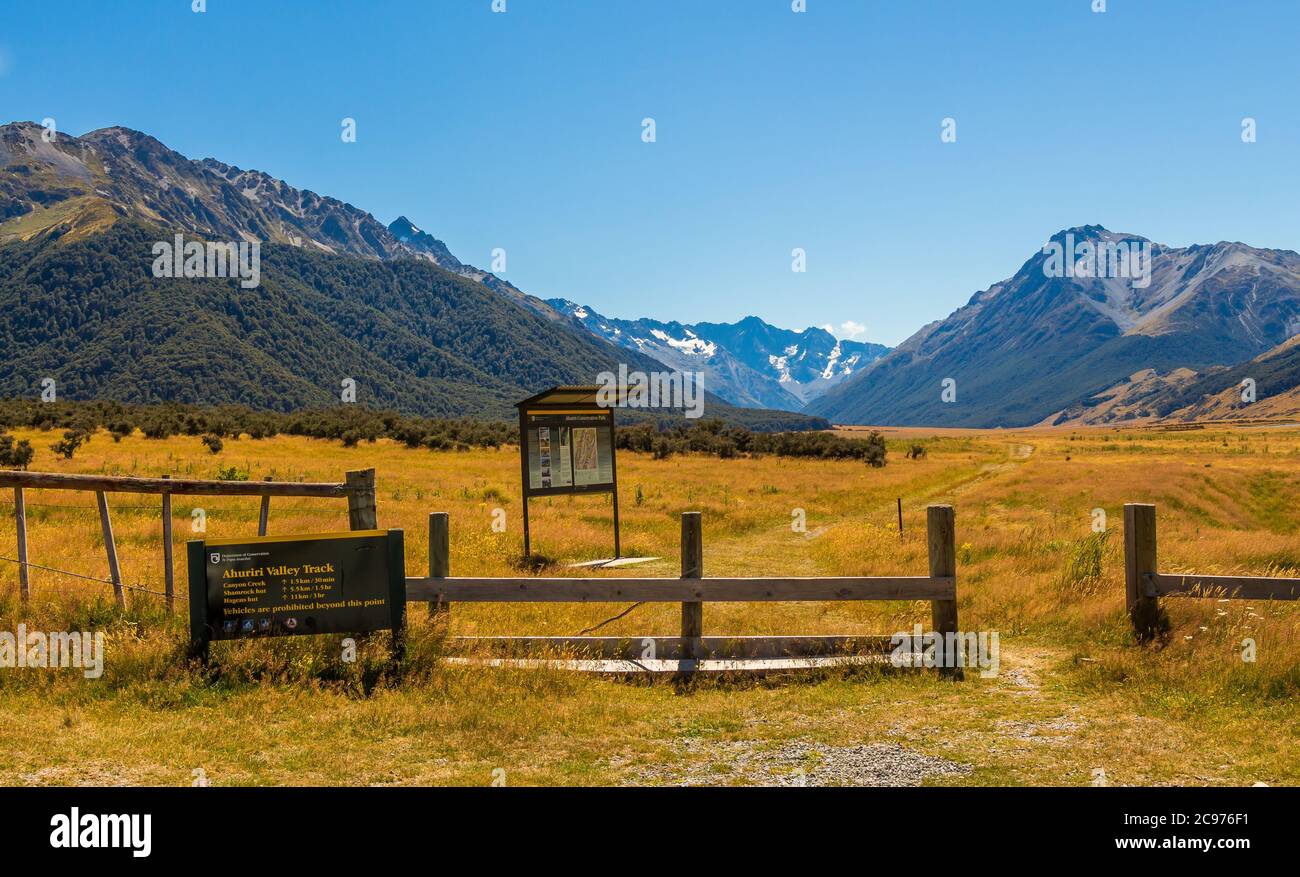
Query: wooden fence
692	589
1144	585
358	487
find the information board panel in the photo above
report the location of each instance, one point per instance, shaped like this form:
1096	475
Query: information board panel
569	453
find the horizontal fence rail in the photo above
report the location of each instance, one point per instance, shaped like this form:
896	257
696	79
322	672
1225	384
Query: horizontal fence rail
627	648
1230	587
1145	585
668	590
173	486
358	488
692	590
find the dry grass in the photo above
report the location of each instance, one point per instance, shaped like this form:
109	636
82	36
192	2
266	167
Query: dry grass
1075	693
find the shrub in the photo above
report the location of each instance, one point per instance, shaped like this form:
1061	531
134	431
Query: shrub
875	450
232	473
15	454
71	441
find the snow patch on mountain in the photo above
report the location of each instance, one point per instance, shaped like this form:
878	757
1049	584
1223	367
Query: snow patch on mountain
749	362
691	344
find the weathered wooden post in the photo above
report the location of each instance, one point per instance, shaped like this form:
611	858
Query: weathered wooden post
941	533
264	515
114	572
1139	560
692	568
439	555
20	520
169	583
361	500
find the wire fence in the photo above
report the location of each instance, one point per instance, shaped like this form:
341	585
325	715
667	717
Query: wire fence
68	572
84	508
358	488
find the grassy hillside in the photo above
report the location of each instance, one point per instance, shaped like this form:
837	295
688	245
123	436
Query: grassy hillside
1183	395
1276	374
1074	694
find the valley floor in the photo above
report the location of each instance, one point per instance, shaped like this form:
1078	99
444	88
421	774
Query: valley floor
1075	700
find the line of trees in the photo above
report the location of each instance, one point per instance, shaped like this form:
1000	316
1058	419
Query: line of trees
716	437
350	424
353	424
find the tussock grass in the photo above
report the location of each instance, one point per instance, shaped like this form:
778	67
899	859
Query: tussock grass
1029	567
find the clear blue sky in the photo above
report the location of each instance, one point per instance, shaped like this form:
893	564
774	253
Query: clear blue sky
775	130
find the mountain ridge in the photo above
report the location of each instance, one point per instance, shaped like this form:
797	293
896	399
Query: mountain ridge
1055	341
78	302
749	362
415	338
1035	344
117	172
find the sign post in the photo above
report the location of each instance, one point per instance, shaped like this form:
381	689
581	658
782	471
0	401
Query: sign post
566	446
353	582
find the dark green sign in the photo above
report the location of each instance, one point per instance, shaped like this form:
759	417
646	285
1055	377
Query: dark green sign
350	582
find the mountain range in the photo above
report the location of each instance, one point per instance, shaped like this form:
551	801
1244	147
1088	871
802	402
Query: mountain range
750	362
345	296
341	295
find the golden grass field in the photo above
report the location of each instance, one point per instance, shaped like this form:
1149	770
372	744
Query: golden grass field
1076	701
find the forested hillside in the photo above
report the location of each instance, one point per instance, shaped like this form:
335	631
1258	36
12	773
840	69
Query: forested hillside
415	338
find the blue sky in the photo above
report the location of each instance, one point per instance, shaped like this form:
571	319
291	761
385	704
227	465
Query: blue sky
775	130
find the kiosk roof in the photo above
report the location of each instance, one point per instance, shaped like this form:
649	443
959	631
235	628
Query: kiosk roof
583	396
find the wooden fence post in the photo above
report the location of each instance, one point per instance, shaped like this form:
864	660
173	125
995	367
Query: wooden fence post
264	515
20	520
361	500
114	572
439	554
692	568
169	582
1140	559
941	533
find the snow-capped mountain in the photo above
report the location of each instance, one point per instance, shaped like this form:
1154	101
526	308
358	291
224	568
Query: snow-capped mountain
749	362
806	363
